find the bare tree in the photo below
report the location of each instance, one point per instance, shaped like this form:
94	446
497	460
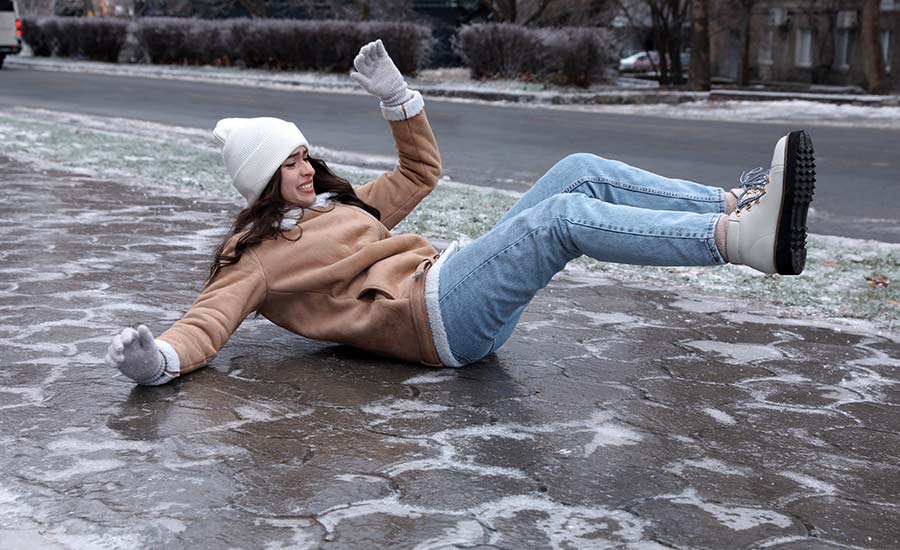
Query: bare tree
870	40
667	19
550	12
699	75
736	16
746	20
35	7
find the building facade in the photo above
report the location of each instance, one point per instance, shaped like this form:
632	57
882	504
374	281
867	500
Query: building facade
801	41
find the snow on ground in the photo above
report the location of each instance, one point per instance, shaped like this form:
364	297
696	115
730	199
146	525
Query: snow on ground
186	161
811	113
686	105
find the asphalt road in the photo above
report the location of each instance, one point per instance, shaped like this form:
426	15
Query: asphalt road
509	147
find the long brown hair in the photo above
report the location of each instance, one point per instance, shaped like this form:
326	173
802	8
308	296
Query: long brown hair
262	219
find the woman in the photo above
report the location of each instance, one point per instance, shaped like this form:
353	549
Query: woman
315	256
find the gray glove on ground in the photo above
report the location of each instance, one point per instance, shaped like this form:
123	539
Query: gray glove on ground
135	353
378	75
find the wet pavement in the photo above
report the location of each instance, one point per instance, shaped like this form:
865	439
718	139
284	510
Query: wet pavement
616	417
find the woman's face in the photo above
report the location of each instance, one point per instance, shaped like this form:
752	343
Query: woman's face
297	179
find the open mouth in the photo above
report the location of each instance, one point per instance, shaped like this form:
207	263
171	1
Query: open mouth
306	188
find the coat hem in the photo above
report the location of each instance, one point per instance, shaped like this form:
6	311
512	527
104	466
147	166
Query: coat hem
433	309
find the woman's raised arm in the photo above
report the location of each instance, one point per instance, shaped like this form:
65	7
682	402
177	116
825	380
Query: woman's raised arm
396	193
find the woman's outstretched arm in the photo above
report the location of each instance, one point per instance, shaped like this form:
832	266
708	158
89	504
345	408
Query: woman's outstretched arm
395	194
194	340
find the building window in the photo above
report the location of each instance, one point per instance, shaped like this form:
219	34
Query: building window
886	50
765	46
842	48
803	53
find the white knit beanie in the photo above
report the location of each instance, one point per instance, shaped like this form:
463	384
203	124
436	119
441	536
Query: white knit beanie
254	148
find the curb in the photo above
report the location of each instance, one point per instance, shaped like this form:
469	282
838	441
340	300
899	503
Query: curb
329	82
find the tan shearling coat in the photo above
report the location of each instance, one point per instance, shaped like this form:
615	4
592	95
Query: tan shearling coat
347	279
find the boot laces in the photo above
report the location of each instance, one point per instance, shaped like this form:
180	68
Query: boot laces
753	187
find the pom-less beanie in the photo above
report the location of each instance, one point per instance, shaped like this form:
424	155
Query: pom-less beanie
254	148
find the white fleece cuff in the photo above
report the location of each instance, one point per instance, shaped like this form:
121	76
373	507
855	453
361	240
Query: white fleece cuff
170	356
433	307
409	109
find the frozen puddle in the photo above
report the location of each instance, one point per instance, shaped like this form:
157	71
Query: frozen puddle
737	354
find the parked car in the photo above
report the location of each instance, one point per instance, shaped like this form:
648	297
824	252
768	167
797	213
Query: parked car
10	29
648	62
633	62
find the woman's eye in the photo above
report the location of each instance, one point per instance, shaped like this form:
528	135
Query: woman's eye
291	165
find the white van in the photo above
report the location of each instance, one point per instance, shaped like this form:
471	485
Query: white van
10	29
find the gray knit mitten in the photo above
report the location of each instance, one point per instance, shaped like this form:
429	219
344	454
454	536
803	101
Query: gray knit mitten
377	74
135	353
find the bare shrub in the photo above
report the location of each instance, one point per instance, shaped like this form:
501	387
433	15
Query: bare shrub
33	34
409	44
167	39
498	50
325	45
92	38
266	43
98	39
575	56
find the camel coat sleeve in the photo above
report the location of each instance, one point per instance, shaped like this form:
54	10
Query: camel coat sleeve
237	290
396	193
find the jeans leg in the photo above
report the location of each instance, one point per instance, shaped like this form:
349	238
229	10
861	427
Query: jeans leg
618	183
485	286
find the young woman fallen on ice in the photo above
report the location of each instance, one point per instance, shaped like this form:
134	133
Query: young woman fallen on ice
316	256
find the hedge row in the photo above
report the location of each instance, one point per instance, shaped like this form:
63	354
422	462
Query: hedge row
256	43
99	39
570	56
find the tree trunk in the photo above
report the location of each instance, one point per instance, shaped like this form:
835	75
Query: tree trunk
674	52
699	77
870	40
744	73
678	10
662	38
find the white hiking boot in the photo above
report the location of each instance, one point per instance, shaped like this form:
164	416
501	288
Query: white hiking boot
767	231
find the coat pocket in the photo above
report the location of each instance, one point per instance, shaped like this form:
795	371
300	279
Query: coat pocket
374	292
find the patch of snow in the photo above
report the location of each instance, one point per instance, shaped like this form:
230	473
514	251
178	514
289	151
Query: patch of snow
736	353
81	468
737	518
565	526
464	534
810	113
709	464
721	417
436	377
403	409
816	485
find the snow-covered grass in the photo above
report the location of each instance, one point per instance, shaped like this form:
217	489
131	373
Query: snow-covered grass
187	162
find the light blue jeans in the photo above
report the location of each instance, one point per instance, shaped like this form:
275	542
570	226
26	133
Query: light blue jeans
583	205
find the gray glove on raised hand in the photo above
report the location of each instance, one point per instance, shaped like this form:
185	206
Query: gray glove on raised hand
135	353
377	74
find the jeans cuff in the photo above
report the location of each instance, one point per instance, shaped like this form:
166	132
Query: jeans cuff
714	255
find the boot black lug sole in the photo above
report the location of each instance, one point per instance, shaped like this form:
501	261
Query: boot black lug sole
799	185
